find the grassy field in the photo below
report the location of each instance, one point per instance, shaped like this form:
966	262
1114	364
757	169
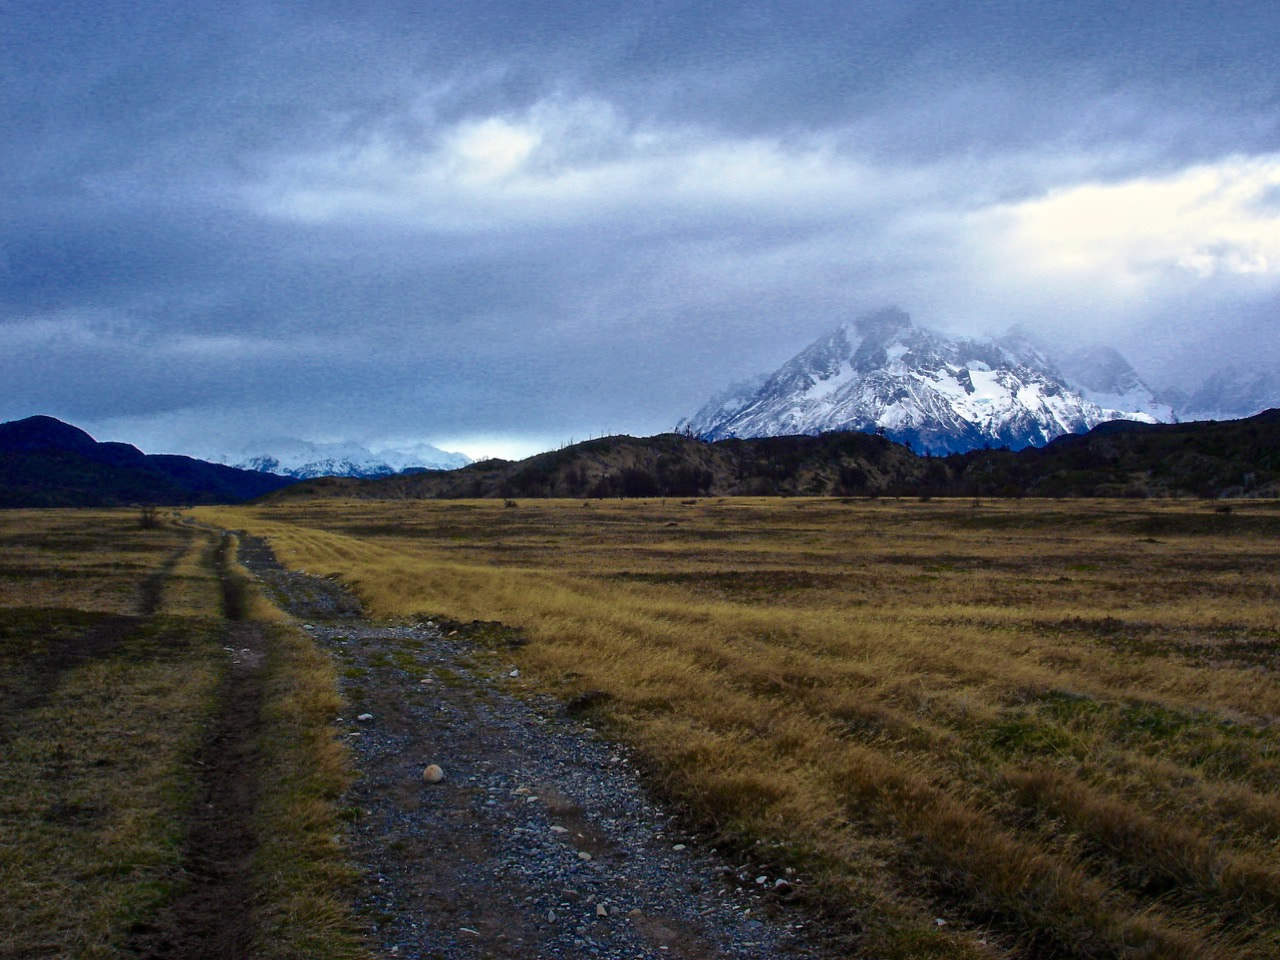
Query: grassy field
115	670
1030	729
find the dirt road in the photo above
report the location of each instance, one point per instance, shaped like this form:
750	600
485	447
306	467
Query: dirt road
540	839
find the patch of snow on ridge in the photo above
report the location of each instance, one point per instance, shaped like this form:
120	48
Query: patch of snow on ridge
305	460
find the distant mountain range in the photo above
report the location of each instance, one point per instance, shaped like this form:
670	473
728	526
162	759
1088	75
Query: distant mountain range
884	374
1114	459
47	463
304	460
1227	394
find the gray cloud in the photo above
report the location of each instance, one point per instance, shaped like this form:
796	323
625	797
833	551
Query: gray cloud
499	221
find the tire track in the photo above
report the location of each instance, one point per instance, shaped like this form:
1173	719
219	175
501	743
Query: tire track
211	917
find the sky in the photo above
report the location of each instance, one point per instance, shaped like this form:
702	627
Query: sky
498	227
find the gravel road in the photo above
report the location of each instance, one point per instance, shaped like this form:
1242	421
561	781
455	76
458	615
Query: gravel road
539	840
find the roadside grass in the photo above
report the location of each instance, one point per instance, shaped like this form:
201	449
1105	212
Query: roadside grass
1051	724
112	655
303	880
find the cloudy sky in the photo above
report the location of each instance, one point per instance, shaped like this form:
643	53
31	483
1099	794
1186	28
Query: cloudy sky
498	226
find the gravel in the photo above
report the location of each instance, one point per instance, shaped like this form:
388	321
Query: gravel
539	839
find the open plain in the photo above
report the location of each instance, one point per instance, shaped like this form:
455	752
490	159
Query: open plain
1019	729
1000	728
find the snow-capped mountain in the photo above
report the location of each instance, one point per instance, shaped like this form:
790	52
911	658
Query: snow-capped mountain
1228	394
724	405
305	460
883	373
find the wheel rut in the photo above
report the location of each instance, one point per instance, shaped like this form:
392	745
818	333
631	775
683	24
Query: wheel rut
210	918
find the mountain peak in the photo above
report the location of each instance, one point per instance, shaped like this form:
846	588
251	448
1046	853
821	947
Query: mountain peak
881	372
44	433
884	323
48	463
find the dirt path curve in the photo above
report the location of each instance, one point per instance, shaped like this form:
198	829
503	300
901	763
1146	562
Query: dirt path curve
540	841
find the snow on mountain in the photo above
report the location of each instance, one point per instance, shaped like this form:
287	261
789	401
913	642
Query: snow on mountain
290	457
724	404
1229	394
1099	373
883	373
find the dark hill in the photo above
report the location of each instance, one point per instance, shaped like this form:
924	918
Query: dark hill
1228	458
668	465
1209	459
47	463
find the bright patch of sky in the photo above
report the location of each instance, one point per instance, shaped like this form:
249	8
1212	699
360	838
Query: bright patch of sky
1204	221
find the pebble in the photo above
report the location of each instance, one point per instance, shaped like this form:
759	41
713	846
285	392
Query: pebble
365	717
433	773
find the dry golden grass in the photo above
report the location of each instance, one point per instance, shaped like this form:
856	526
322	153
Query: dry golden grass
1053	724
92	560
302	877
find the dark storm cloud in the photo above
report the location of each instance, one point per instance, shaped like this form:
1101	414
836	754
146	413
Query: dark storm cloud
496	219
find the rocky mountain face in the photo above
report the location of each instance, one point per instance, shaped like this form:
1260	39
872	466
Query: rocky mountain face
304	460
884	374
724	406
